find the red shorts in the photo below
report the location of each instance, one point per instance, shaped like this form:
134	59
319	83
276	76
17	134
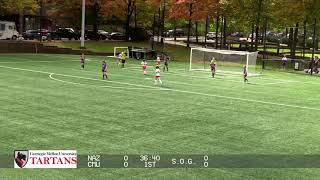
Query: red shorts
157	77
144	67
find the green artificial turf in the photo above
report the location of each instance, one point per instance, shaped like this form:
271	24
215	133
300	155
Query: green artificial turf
191	113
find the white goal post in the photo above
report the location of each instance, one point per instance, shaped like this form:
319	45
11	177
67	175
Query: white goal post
118	50
227	61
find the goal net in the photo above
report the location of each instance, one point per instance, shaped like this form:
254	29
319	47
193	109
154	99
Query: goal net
119	50
227	62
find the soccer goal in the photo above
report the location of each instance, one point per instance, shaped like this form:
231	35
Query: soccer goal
227	62
119	50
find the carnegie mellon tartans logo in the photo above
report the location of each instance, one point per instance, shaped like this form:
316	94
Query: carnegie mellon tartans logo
21	158
45	159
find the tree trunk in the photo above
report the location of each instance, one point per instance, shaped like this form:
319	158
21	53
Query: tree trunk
252	36
258	25
135	19
295	40
291	41
224	32
314	43
205	36
221	30
217	31
265	40
95	22
304	38
197	37
128	17
159	24
189	25
153	30
163	21
21	15
175	29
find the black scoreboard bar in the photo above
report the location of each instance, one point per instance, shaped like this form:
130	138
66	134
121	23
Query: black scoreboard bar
198	161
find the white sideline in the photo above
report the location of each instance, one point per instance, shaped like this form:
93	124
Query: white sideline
175	90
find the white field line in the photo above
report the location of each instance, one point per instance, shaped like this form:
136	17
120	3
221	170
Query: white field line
181	91
112	87
79	77
224	79
17	62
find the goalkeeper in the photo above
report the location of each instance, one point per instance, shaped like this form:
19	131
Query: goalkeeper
213	67
123	59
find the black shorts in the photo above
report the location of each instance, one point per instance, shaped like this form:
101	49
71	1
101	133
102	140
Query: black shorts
123	61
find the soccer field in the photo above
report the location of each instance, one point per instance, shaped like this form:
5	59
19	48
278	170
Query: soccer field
47	102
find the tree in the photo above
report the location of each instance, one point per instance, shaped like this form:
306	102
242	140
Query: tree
65	13
21	6
192	10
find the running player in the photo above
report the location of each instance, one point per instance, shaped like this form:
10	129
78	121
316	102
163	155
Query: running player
158	79
245	74
284	61
158	61
104	67
213	67
82	59
166	64
144	65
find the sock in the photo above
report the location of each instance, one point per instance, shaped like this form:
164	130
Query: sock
160	81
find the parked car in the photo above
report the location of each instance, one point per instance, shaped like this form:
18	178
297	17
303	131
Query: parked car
212	35
8	30
103	35
117	36
179	32
237	35
36	34
91	35
31	34
66	33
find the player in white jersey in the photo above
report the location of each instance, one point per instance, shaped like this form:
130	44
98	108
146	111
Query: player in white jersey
144	66
158	79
